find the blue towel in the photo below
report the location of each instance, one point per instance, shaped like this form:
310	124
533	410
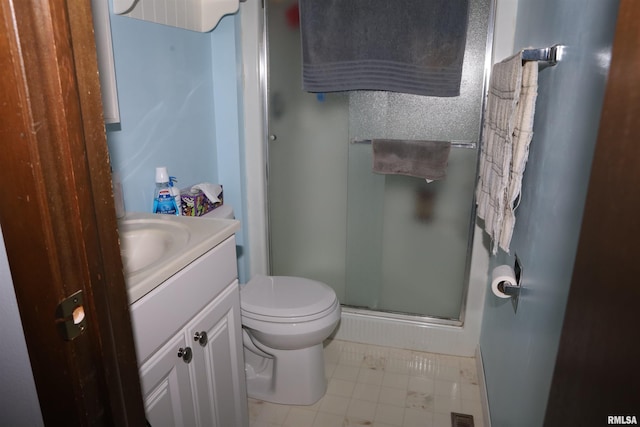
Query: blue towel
409	46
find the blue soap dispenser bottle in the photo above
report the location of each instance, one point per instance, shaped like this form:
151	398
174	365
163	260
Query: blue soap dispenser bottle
163	200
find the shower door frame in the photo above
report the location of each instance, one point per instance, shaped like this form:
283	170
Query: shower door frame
414	319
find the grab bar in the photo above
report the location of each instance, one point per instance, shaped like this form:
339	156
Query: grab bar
454	144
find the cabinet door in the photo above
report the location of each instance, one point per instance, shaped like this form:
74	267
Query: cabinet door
219	362
166	386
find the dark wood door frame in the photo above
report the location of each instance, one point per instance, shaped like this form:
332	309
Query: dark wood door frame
596	373
57	214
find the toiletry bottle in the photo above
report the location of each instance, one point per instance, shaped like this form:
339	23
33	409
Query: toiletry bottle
176	193
163	200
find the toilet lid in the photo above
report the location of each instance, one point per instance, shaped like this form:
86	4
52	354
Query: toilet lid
282	296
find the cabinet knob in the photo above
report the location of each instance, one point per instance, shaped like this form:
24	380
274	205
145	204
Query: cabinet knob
201	337
185	354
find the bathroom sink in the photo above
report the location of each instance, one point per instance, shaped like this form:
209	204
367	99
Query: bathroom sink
155	247
145	242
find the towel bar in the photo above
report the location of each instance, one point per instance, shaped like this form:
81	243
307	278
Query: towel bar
454	144
549	55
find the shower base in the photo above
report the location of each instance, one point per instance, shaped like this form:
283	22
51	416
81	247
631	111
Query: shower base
413	333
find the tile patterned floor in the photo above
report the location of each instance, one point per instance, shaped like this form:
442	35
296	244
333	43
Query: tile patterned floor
382	387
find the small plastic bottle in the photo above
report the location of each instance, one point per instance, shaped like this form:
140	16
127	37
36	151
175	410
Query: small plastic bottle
176	193
163	200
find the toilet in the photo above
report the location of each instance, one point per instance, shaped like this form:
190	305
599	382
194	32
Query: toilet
284	323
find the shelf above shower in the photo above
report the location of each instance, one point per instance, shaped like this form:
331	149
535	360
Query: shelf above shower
194	15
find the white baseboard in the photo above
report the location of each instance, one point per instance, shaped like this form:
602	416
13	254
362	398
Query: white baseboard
484	397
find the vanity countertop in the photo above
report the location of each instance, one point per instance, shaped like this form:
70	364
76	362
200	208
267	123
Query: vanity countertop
155	247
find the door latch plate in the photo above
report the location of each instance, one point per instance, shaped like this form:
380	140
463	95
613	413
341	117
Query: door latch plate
70	316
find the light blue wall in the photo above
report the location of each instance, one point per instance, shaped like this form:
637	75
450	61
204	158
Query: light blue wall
179	108
165	94
519	350
228	104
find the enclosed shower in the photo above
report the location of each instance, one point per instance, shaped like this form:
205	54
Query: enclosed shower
390	245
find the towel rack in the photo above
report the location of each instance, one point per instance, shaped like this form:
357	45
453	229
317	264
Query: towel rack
547	55
454	144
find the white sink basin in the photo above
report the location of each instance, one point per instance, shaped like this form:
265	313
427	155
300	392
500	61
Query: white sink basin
155	247
144	242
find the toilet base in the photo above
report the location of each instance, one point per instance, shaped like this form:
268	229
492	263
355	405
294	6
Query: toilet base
300	381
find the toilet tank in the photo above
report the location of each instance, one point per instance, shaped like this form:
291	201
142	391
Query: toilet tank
223	211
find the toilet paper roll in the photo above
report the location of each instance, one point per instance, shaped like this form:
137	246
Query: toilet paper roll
502	273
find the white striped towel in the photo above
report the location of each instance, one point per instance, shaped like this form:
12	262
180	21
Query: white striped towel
507	132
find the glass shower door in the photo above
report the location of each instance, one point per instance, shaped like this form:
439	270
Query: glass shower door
307	171
393	244
407	240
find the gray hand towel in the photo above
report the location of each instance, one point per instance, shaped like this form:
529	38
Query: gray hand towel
412	46
421	159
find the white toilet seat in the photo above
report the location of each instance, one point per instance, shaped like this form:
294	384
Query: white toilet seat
250	317
283	299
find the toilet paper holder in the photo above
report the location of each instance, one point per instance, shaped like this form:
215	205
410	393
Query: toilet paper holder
513	290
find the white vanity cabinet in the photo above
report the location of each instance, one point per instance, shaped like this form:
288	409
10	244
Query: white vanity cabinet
189	345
